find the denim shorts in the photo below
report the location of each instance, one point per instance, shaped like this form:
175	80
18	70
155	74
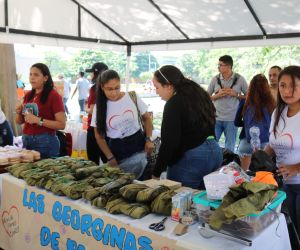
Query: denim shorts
245	149
48	145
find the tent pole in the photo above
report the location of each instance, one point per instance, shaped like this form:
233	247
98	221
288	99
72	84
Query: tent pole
127	78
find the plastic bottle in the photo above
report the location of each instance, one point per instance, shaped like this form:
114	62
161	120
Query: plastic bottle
254	141
163	176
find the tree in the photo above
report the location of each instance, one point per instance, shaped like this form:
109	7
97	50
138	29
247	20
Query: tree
246	61
86	58
143	62
56	64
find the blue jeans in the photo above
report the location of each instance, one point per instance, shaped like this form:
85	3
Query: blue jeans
195	164
293	203
81	104
47	145
230	132
6	134
65	105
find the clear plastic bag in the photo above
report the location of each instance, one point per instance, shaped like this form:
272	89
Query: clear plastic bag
134	164
217	183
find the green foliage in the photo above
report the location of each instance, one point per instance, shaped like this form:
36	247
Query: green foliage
57	65
143	62
144	76
202	65
86	58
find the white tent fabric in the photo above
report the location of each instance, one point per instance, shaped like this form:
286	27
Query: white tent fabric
150	24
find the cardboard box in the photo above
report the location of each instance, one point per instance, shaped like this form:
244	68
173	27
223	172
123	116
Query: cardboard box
168	183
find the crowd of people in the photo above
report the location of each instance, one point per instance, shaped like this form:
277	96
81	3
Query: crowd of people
194	119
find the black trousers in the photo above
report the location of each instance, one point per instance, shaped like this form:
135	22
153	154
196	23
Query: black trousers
127	146
93	150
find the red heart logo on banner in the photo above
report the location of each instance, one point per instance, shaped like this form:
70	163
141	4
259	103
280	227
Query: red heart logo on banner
10	221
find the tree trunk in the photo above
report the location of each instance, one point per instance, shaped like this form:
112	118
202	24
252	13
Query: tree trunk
8	94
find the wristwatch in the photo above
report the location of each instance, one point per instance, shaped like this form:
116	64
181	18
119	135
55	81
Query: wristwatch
41	121
148	139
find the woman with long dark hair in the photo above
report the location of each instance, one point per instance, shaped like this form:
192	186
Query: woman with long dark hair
188	148
42	113
93	150
284	142
117	127
256	111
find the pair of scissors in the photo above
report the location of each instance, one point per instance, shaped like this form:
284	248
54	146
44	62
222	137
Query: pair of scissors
158	226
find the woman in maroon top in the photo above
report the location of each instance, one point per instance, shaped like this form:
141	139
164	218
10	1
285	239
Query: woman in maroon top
93	150
42	113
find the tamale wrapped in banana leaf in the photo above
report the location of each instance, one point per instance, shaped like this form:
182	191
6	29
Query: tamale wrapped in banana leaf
91	193
114	204
162	204
149	194
81	173
17	169
100	201
114	186
135	210
74	190
130	191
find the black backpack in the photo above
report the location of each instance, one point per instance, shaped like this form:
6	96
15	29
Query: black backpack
236	77
63	150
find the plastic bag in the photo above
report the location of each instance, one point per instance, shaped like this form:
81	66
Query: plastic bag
134	164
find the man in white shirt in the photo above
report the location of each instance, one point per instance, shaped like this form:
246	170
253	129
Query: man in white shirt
83	86
67	90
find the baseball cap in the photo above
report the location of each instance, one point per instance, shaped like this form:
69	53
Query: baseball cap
97	67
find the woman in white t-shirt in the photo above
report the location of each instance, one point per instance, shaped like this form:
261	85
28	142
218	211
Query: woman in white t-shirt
116	123
284	140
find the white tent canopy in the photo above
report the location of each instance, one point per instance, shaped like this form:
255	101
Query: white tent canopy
150	24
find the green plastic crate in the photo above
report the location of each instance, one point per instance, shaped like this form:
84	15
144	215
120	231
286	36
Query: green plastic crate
201	198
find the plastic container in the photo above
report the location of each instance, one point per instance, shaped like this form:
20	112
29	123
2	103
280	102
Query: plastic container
202	198
247	226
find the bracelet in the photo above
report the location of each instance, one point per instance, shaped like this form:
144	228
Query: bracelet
111	158
41	121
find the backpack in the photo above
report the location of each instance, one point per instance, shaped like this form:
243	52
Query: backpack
133	97
65	140
236	77
153	156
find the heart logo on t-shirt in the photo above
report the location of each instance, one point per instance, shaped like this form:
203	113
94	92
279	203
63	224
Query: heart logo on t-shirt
283	146
116	121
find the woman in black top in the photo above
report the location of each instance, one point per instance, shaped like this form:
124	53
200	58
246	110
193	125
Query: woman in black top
188	150
93	151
